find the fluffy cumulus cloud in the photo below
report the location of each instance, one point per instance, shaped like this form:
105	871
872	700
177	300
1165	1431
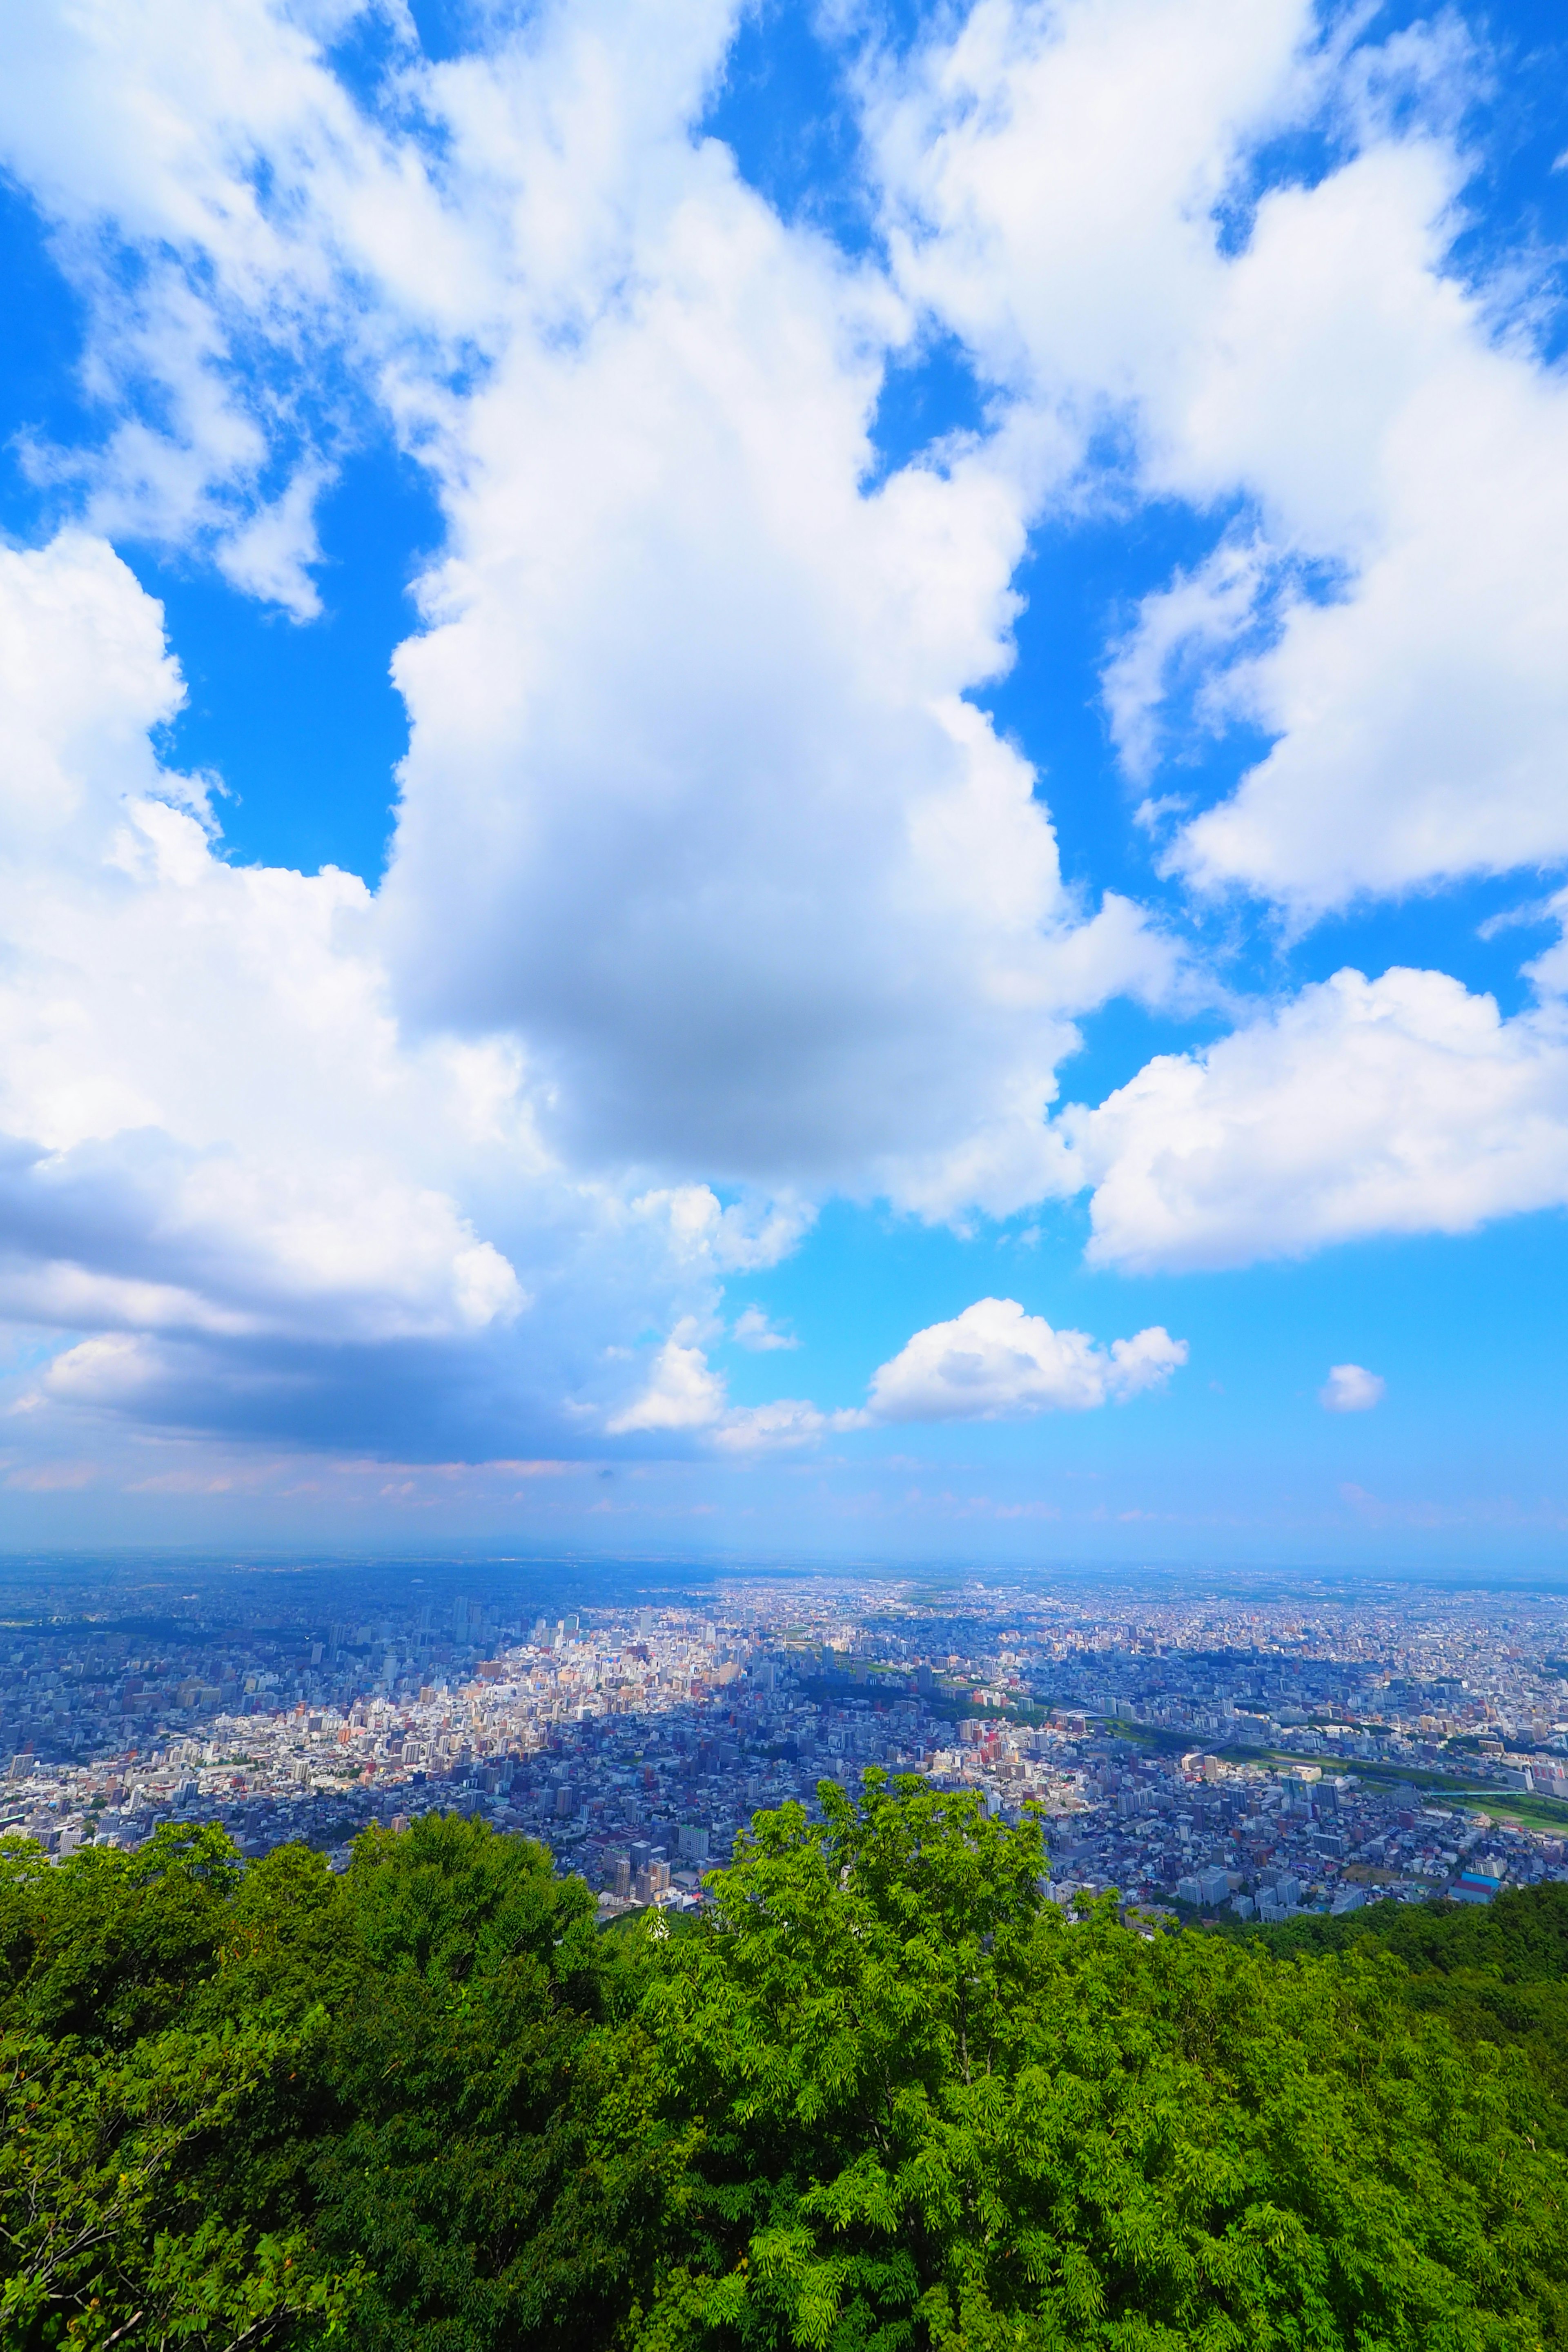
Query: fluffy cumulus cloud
682	1392
210	1129
992	1362
704	868
1398	1105
223	1157
713	889
995	1361
1418	708
693	799
1350	1387
1067	187
685	1397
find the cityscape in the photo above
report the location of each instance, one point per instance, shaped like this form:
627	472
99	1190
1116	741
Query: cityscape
783	1157
1236	1753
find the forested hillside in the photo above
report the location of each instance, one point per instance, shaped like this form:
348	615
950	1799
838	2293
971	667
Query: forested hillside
886	2097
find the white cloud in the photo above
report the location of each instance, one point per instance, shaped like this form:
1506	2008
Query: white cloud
995	1361
1548	972
249	241
681	1392
770	1428
1064	184
692	799
85	676
683	1395
1177	628
270	555
749	1233
211	1132
1422	712
694	803
1350	1387
1359	1106
1051	174
992	1362
752	1329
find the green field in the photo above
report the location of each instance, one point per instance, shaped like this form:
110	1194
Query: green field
1527	1812
1416	1778
1159	1741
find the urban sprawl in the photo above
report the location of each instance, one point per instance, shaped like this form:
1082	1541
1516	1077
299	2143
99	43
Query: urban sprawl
1264	1756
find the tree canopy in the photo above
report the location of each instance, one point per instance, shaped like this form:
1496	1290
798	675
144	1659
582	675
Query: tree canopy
883	2096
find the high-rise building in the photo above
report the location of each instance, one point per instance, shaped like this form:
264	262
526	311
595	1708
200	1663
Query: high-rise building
651	1880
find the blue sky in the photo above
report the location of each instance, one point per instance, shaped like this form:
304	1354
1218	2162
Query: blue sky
787	780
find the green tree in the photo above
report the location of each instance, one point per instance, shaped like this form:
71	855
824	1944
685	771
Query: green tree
442	2128
1494	1972
107	2236
109	1946
885	2097
932	2111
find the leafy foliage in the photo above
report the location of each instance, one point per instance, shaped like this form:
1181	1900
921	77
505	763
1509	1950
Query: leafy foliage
885	2097
106	2235
1494	1973
935	2112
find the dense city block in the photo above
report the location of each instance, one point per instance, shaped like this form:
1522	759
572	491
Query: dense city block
1248	1755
